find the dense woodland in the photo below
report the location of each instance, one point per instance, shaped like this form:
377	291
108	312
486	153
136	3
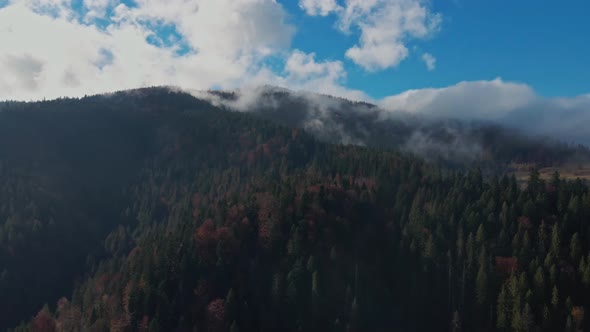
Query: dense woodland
447	142
153	211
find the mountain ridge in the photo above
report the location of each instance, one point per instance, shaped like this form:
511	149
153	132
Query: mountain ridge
341	121
152	210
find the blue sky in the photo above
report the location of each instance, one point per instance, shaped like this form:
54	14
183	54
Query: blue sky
545	45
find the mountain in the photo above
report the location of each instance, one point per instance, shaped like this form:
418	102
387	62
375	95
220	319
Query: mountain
154	210
450	141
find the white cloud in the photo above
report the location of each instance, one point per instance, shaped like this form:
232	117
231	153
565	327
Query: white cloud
223	27
385	28
488	100
301	65
231	40
216	43
319	7
513	104
378	56
303	72
429	60
98	8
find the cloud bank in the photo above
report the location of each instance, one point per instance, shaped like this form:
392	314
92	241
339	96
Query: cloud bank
509	103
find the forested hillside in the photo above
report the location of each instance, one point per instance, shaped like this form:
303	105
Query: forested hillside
450	142
155	211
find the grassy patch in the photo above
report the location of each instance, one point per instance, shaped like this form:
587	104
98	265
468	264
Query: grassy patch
570	171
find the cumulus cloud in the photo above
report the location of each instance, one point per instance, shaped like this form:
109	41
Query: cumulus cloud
319	7
302	72
385	29
223	27
484	100
429	60
302	65
106	45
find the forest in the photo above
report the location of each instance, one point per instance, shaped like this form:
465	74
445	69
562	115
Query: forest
152	210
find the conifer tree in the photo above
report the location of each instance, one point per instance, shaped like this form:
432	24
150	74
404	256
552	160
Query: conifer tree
502	309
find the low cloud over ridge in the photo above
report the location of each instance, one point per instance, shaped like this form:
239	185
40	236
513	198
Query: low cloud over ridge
513	104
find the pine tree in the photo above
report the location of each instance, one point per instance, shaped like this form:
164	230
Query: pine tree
546	317
516	323
311	263
234	327
315	293
429	249
515	296
230	305
516	244
542	238
569	326
555	243
539	281
470	248
460	243
502	309
586	274
528	321
483	257
526	246
582	267
294	282
154	325
480	236
534	184
575	247
555	297
553	274
481	285
568	304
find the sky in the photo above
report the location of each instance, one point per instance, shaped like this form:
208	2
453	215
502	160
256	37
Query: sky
466	58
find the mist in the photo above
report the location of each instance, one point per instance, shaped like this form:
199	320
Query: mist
434	124
510	104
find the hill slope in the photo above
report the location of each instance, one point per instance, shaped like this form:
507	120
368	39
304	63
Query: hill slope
154	211
453	142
